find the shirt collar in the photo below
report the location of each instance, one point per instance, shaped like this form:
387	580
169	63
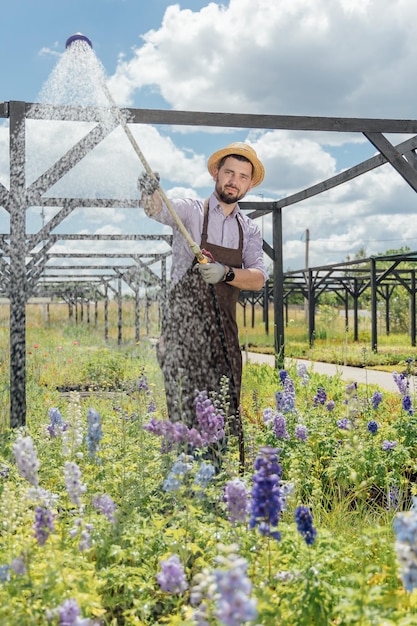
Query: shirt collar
214	205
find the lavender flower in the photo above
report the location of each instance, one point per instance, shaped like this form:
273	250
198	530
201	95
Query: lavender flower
151	406
372	427
204	474
75	488
285	401
68	614
234	606
211	423
268	414
302	373
301	432
343	423
236	498
26	459
389	445
280	427
85	538
304	520
401	381
266	495
105	505
19	565
405	528
44	524
94	432
320	397
171	578
57	424
330	405
376	400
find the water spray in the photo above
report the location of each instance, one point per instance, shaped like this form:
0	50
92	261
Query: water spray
195	248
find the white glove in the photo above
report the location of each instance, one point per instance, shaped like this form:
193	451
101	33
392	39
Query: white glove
148	184
212	273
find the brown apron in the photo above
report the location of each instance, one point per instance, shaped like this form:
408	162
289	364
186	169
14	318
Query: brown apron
200	339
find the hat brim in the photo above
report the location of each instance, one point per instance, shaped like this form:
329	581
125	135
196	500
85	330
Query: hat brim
258	168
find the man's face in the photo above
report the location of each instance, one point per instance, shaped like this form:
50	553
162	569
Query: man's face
233	180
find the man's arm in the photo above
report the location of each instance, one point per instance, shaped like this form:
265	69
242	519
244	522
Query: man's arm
152	204
250	279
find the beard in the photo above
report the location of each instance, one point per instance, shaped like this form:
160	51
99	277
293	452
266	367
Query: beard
228	197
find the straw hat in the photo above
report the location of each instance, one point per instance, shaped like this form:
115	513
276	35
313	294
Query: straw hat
244	150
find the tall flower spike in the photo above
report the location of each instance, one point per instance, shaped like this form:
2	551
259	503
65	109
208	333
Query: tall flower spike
26	459
266	494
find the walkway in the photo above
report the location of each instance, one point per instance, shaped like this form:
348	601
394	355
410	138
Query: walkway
360	375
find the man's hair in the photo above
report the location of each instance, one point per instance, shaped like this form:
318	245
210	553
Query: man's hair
239	157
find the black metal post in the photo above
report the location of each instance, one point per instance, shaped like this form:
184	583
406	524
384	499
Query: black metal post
278	287
374	319
18	281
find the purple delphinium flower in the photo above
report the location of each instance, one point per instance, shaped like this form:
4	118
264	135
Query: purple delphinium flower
279	401
407	404
304	520
43	525
330	405
376	400
405	528
280	427
268	414
372	427
210	420
266	495
56	425
236	498
234	606
151	406
302	373
401	381
283	375
171	578
301	432
105	505
19	565
143	384
26	459
389	445
75	488
320	397
94	432
343	423
289	394
68	614
393	498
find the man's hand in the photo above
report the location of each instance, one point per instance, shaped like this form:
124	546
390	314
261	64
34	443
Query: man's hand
148	184
212	273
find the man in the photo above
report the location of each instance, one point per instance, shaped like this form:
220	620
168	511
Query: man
199	343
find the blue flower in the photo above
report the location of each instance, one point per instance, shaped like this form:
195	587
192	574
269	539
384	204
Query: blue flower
407	404
94	433
266	495
44	524
373	427
376	399
304	520
405	528
204	475
389	445
320	397
301	432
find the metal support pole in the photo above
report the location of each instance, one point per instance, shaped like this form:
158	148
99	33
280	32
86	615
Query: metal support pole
18	281
278	286
374	307
311	309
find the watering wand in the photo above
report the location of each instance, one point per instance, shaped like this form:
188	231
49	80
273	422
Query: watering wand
195	248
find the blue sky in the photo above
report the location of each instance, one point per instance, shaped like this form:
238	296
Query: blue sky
351	58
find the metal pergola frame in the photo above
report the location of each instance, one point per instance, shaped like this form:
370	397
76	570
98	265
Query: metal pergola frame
18	245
